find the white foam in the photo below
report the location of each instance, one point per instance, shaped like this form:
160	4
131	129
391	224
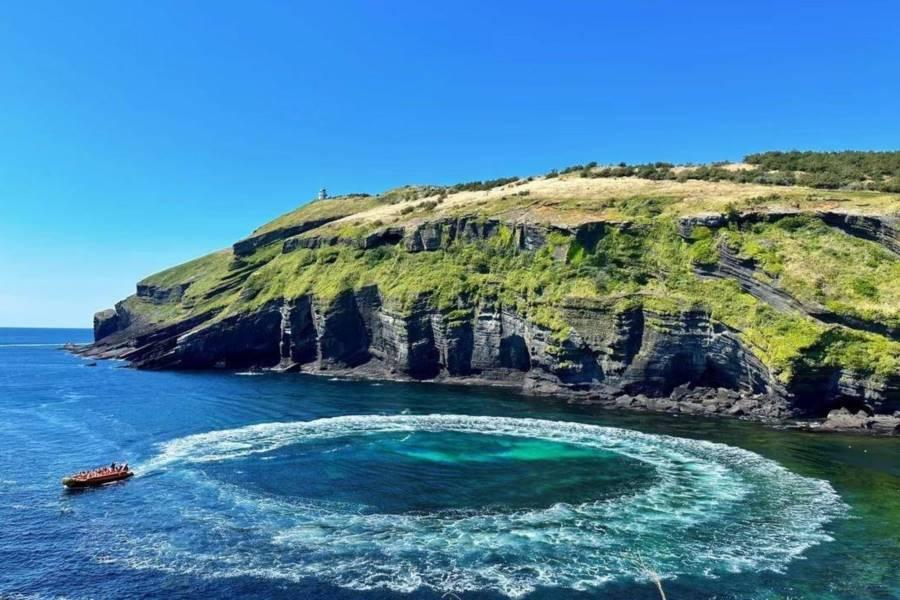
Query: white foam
711	509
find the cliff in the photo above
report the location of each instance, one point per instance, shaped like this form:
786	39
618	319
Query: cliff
677	293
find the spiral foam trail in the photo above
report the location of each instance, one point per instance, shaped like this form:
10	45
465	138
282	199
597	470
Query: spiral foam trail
711	509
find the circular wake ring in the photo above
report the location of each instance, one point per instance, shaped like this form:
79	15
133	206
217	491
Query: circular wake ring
712	509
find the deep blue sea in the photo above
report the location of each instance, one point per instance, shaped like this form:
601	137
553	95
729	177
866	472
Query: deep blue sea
293	486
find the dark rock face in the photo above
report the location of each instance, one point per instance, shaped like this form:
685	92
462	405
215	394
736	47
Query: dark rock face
299	343
514	353
636	358
251	340
689	348
162	295
433	235
712	221
249	245
822	389
383	237
745	272
430	236
106	322
201	343
427	237
884	230
342	338
388	236
454	341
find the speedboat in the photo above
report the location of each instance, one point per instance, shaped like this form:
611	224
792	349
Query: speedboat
97	477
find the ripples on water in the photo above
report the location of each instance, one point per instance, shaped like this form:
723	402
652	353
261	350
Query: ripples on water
292	486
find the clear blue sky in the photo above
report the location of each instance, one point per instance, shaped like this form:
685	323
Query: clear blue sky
137	135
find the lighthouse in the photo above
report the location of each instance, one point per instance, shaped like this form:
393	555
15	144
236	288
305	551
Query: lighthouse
323	194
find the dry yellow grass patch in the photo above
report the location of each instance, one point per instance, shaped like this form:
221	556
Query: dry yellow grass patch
571	199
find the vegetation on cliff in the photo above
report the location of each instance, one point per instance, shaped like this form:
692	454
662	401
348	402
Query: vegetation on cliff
617	237
823	170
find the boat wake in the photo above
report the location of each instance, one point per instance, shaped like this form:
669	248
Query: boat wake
711	509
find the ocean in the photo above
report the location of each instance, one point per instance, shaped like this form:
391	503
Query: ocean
293	486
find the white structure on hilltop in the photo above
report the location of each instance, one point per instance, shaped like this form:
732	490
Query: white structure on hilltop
323	194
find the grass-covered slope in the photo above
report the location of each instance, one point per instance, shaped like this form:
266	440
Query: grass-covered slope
616	239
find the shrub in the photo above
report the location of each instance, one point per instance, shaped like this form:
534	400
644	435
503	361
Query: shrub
822	170
477	186
865	288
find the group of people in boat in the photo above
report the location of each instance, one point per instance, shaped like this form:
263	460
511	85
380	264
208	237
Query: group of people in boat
112	469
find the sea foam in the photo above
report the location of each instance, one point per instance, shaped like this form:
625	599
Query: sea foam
711	509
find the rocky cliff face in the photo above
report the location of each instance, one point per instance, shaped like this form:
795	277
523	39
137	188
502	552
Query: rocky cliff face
604	310
607	356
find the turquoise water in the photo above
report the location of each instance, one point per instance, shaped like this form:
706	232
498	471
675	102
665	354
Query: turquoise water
296	486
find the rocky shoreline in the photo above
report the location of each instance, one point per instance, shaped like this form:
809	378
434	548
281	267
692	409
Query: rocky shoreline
685	399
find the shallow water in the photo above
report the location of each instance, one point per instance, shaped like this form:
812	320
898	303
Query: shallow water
296	486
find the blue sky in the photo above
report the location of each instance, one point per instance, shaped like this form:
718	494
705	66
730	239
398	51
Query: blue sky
136	135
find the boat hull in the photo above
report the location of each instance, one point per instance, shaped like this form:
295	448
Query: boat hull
72	482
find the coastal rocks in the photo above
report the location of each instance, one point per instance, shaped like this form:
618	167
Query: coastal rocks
819	389
141	342
106	322
530	237
843	420
622	353
454	340
234	342
646	359
690	400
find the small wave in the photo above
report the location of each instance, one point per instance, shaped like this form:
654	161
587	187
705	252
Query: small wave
249	373
711	509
